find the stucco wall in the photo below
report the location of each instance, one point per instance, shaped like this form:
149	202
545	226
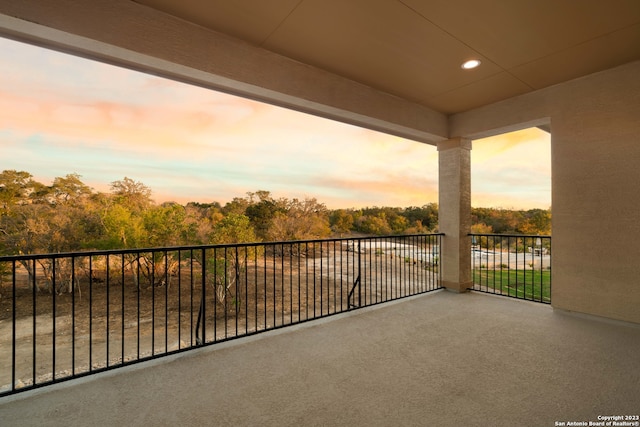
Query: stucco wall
596	195
595	139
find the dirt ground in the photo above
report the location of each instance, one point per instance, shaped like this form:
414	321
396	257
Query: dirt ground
108	322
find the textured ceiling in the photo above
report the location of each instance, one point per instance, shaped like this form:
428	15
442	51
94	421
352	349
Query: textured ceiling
414	48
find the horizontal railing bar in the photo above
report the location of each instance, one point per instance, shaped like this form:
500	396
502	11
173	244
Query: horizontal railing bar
56	255
509	235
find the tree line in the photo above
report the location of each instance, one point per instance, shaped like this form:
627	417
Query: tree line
504	221
68	215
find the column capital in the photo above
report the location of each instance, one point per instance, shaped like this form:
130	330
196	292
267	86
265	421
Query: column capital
463	143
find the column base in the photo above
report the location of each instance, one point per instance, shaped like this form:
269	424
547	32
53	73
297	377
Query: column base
456	287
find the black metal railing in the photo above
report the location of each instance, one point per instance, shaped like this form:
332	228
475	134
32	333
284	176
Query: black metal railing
517	266
68	315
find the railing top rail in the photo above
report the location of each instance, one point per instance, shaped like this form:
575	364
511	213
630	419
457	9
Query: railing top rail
509	235
10	258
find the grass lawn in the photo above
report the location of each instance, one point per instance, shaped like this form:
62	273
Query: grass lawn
530	284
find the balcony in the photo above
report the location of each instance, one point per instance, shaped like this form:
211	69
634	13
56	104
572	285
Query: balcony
435	359
425	357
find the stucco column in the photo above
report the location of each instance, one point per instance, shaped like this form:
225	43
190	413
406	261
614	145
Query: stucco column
454	213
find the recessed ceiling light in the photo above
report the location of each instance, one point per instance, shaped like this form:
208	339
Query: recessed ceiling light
470	64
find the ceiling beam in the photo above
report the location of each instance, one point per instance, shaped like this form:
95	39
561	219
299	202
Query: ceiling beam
128	34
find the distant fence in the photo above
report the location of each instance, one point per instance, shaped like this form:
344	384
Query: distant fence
68	315
517	266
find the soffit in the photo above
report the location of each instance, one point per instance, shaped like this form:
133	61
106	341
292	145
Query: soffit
413	48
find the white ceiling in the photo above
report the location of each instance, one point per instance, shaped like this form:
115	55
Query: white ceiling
414	48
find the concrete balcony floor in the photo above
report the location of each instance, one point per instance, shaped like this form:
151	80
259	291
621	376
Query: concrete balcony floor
438	359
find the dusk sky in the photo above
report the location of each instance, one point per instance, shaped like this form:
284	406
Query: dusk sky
60	114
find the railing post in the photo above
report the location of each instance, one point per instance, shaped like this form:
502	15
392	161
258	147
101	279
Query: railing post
200	323
359	274
357	282
454	213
